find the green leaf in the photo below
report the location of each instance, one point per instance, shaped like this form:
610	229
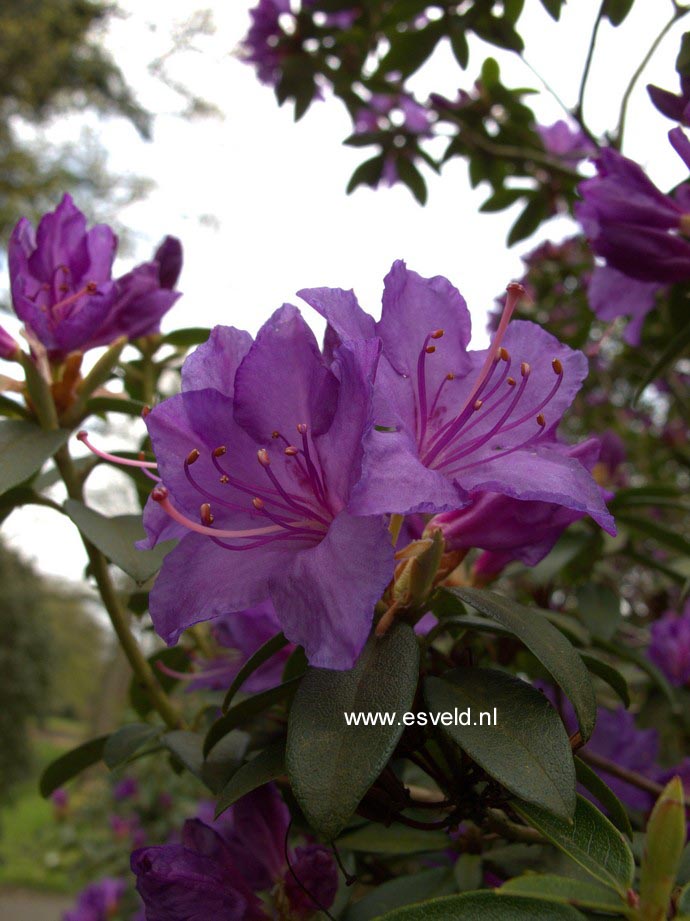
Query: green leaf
591	841
622	651
410	49
251	706
599	609
13	408
265	767
115	538
405	890
126	741
377	839
70	764
502	199
262	654
683	59
332	765
484	906
193	335
604	795
664	843
544	641
609	674
175	658
684	901
215	770
459	45
576	892
656	532
367	173
410	176
553	8
531	217
296	665
24	448
527	750
617	10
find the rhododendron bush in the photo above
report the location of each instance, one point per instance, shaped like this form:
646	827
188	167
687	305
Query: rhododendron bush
423	634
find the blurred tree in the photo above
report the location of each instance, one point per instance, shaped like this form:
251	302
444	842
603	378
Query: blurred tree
52	64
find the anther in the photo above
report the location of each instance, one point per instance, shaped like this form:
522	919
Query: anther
257	503
159	493
275	434
450	376
219	451
557	366
302	428
541	421
291	450
477	405
63	289
224	479
91	287
515	288
193	456
264	459
430	349
437	334
503	354
82	435
145	411
205	514
525	369
511	381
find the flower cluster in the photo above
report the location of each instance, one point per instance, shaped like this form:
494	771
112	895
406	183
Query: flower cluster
64	293
280	465
669	647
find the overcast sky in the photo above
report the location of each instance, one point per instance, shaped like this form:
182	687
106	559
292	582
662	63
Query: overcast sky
259	201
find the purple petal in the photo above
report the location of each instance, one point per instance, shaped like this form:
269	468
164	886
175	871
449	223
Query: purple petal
342	311
612	294
215	363
169	259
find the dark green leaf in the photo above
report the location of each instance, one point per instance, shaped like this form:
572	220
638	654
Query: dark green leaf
194	335
622	651
410	49
405	890
176	658
263	654
658	533
115	538
377	839
251	706
527	750
504	198
590	840
332	765
609	674
683	59
676	347
534	213
296	665
214	771
484	906
458	42
599	609
684	901
115	405
24	448
617	10
367	173
553	8
545	642
265	767
410	176
13	408
576	892
126	741
70	764
491	74
604	795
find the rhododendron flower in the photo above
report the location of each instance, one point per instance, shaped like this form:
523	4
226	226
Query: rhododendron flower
260	45
98	902
509	529
669	647
9	347
258	457
672	105
567	143
62	287
452	423
218	868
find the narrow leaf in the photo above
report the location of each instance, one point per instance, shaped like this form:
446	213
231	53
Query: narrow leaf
405	890
126	741
265	767
263	654
527	750
248	708
604	795
609	674
576	892
487	906
377	839
590	840
70	764
24	448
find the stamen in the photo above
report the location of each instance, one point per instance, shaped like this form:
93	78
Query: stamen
145	411
314	478
541	421
193	456
291	450
557	366
449	377
83	436
206	515
477	405
430	349
258	503
89	288
263	458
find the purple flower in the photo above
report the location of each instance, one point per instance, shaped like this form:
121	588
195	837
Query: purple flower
669	647
125	789
218	868
452	424
98	902
241	635
509	529
564	142
260	46
62	287
60	798
612	294
674	106
9	347
258	456
632	224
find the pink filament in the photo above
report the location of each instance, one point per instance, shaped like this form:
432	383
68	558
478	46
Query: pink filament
122	461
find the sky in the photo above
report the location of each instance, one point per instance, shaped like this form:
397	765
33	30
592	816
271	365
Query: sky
259	201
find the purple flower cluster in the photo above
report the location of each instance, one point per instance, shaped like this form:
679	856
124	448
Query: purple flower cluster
399	113
669	647
639	231
564	142
219	868
63	290
99	901
279	464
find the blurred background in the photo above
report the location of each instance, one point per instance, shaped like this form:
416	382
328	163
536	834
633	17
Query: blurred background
148	116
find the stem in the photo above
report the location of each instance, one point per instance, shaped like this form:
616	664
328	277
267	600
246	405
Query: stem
678	13
547	86
631	777
119	616
577	112
498	822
